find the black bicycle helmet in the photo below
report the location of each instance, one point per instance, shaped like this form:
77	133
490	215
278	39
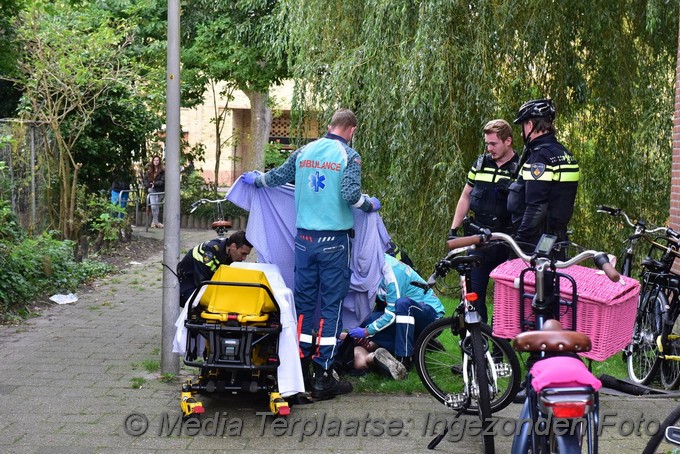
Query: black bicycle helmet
536	108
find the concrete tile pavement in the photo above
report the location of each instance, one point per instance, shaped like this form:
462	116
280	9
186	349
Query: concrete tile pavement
66	387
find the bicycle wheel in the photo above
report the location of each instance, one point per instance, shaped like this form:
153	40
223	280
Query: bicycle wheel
673	419
642	358
437	366
480	375
670	369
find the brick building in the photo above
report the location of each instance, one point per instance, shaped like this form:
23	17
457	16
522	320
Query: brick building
198	128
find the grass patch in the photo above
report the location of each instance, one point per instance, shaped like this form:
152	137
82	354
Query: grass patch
378	383
137	382
151	365
168	377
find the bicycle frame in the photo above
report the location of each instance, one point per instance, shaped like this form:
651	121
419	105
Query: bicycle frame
468	317
583	401
470	340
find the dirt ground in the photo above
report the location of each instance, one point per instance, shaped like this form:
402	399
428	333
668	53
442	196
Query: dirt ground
137	249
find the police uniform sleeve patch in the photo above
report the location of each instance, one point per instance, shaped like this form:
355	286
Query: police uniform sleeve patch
537	169
207	257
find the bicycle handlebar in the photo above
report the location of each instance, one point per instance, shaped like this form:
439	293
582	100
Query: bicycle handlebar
200	202
641	224
600	258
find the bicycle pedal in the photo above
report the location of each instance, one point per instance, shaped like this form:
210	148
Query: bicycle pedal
503	370
455	401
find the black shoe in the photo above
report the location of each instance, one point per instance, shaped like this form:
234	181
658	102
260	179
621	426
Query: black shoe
299	399
434	345
389	364
326	387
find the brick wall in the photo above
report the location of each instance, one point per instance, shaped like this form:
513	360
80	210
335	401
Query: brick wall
675	177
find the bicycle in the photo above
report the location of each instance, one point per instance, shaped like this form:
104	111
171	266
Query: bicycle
549	397
640	231
488	378
654	349
220	225
669	430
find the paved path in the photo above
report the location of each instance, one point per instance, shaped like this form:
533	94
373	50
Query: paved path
66	387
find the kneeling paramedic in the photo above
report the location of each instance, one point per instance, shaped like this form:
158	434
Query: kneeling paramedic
409	309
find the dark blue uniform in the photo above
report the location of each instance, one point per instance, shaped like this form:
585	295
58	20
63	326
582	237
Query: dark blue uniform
542	199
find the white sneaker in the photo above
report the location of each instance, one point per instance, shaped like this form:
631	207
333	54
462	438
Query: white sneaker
389	364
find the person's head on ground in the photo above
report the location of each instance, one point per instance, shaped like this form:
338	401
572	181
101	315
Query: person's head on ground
343	124
536	118
238	247
498	140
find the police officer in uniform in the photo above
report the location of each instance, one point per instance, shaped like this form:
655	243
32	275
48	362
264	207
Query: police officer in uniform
201	262
542	199
485	194
327	174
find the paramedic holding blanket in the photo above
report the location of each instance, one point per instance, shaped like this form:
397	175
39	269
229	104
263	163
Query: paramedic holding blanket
327	174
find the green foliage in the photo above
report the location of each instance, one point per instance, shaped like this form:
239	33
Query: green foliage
109	225
233	42
39	266
194	188
424	77
274	156
10	230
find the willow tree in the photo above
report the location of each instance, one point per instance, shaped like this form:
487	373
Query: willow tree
71	56
425	76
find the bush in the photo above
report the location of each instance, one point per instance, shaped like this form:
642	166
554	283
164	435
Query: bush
36	267
194	188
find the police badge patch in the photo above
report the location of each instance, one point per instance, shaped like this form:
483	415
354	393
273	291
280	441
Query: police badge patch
537	169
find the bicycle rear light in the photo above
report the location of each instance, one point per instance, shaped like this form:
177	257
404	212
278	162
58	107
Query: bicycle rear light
566	402
472	297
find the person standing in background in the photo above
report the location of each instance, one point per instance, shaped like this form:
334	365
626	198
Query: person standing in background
155	183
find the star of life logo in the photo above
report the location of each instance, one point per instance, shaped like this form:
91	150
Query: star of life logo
316	181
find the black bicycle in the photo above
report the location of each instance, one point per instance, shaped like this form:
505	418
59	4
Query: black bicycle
655	346
626	261
458	359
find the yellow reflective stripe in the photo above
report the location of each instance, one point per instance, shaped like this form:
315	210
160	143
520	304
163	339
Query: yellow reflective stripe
546	176
491	177
471	174
566	174
197	254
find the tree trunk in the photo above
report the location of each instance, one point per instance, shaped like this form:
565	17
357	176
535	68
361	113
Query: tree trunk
260	125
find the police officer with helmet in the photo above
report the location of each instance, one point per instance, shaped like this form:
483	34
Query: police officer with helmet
542	199
485	194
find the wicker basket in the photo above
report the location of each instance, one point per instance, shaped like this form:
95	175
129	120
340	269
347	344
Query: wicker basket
605	310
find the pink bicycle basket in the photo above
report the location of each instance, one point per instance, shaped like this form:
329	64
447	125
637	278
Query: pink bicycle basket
605	310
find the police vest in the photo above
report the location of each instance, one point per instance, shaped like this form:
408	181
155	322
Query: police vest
488	198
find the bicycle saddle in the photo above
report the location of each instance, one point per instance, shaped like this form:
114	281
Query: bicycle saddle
552	338
653	265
